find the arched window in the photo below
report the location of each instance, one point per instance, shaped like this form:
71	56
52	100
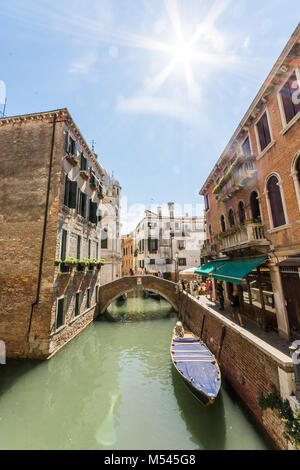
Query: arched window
223	225
275	199
254	204
231	217
242	214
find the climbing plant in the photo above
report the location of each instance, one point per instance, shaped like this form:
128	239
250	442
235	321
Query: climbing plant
292	420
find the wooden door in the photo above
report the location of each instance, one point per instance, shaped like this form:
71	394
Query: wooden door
291	289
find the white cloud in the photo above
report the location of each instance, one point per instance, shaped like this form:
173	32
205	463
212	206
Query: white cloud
84	64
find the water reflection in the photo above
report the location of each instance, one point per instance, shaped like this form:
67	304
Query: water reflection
112	388
206	425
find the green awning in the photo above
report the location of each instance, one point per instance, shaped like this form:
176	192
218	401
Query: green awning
235	270
208	268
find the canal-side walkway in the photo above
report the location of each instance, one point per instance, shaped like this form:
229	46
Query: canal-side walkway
270	337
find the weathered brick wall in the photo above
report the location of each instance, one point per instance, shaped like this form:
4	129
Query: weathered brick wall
25	153
250	369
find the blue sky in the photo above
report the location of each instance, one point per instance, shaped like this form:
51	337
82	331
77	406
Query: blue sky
159	85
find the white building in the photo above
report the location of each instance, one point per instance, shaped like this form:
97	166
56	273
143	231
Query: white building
110	229
168	244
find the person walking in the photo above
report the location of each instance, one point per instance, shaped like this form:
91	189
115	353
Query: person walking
235	306
209	288
220	294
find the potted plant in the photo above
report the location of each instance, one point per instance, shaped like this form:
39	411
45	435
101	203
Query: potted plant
72	159
57	262
84	174
70	261
84	262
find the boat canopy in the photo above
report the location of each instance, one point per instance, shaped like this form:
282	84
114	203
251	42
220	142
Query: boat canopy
235	270
208	268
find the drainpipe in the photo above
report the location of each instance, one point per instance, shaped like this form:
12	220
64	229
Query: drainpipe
44	231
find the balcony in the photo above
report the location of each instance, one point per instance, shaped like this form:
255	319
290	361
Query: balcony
208	249
238	175
249	237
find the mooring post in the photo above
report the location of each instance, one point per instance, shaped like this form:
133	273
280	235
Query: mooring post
202	326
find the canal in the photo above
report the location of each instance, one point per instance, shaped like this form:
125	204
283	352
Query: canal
113	387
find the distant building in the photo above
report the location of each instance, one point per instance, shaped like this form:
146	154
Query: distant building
52	197
252	201
168	244
127	245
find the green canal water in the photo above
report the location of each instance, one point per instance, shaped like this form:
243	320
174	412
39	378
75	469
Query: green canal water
113	387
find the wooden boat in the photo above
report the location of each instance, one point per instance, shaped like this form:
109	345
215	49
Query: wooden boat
197	366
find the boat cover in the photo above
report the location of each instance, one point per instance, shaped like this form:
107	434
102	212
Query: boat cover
195	361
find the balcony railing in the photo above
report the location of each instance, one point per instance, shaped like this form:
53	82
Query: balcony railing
244	236
208	249
240	172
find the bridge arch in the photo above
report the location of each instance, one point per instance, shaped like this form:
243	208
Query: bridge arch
111	291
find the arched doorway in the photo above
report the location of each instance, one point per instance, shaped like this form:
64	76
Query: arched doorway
254	205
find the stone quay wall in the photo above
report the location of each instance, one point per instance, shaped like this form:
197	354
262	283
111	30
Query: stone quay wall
249	364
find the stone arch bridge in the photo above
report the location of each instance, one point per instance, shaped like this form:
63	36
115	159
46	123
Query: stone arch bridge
111	291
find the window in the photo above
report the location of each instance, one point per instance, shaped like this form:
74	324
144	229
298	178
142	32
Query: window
207	202
84	166
210	231
72	146
181	244
254	204
225	170
104	239
241	211
275	199
289	96
81	203
152	261
88	298
93	212
181	261
152	245
263	131
60	312
77	304
78	247
246	147
89	249
70	198
231	217
222	221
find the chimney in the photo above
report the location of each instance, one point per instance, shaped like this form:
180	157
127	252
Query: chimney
171	209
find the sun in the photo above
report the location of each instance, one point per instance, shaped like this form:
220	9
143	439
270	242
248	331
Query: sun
183	52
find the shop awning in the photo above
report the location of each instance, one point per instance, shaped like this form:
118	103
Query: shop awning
235	270
208	268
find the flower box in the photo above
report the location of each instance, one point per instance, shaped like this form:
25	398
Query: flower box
84	174
72	159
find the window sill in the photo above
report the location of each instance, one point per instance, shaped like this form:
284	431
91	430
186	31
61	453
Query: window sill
82	314
290	124
278	229
268	147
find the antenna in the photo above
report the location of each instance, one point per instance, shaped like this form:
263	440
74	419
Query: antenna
93	145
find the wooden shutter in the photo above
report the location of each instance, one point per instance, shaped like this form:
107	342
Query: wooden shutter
67	142
63	251
242	214
83	205
67	189
266	129
246	147
287	102
72	194
78	247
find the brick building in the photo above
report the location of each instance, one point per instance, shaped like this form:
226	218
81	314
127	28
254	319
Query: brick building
51	197
127	254
252	202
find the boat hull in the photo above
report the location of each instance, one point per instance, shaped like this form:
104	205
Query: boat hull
199	355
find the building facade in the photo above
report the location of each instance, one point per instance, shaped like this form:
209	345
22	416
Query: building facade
168	244
252	200
52	191
127	246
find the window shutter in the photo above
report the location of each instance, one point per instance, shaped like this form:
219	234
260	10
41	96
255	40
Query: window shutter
67	144
73	194
67	187
246	147
83	205
64	245
266	129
